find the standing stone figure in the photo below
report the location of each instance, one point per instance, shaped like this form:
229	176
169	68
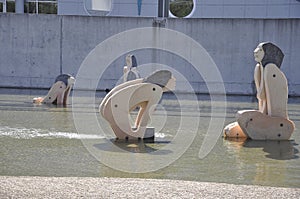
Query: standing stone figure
130	70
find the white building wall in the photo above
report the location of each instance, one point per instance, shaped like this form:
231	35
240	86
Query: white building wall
248	9
204	8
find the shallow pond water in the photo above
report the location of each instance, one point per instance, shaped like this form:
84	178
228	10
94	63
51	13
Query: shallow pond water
44	140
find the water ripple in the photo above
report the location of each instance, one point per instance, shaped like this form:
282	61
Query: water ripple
30	133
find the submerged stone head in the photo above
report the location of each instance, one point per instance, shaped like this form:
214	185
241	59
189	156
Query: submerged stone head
268	52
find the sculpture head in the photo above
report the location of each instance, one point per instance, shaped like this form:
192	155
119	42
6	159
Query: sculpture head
131	61
162	78
259	53
69	80
268	52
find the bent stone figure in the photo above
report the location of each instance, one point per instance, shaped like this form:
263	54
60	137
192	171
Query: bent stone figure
130	70
270	121
59	91
144	93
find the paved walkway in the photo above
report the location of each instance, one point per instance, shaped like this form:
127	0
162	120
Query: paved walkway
82	187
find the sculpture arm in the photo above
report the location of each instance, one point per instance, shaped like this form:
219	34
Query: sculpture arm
116	89
260	88
125	69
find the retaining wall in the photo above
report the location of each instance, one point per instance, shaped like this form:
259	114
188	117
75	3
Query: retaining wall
34	49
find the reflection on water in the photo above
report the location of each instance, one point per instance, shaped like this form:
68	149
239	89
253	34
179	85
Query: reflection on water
271	160
42	140
279	150
138	146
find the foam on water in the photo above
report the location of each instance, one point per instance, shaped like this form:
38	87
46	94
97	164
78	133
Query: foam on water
161	135
25	133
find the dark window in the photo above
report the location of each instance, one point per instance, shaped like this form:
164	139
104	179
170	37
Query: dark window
32	6
182	8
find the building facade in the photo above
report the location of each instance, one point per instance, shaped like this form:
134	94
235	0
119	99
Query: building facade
201	8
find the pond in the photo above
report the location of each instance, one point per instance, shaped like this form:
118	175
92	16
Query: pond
44	140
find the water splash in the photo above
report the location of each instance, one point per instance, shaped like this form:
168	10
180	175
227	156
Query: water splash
161	135
30	133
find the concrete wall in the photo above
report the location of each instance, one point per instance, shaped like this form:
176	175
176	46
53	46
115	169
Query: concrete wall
30	50
34	49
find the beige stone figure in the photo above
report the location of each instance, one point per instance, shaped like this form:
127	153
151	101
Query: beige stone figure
270	121
143	93
130	70
59	91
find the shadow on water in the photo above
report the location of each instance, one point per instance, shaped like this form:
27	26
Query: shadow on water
138	146
278	150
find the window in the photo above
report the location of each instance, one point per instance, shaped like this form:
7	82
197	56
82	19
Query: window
31	6
182	8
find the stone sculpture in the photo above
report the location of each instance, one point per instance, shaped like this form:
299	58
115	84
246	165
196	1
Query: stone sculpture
270	121
130	70
59	91
143	93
